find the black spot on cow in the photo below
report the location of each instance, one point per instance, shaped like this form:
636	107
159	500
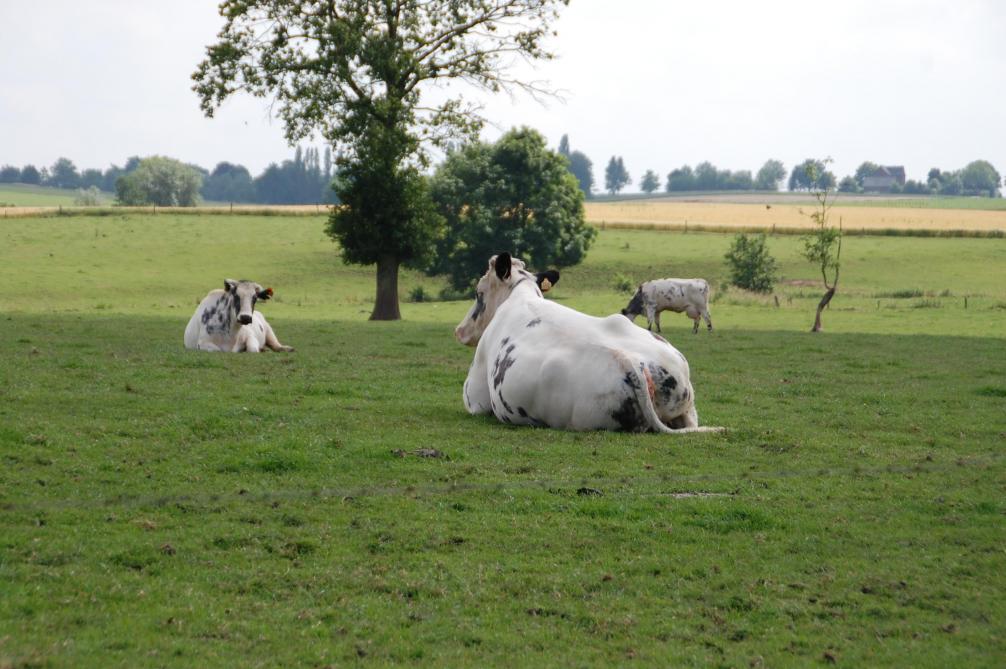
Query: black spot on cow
480	306
504	361
631	379
530	419
629	415
506	406
506	340
531	324
208	314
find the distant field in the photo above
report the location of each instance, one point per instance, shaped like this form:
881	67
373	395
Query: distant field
862	216
24	195
842	200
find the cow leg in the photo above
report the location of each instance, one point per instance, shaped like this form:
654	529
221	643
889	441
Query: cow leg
272	342
651	316
709	320
208	346
656	317
693	313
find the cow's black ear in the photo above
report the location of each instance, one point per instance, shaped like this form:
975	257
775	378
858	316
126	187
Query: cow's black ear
503	266
230	285
265	294
547	279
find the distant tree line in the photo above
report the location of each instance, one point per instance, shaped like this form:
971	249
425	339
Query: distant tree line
306	179
977	178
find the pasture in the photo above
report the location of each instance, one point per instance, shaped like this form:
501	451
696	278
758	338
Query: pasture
164	507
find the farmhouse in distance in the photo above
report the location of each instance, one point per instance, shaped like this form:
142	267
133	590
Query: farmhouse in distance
884	178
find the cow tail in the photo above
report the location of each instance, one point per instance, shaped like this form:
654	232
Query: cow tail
639	380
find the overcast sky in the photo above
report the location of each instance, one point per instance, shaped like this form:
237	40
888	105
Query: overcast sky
661	83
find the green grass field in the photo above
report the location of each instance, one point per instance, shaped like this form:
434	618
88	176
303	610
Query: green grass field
25	195
163	507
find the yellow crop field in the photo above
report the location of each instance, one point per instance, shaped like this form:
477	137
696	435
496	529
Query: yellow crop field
708	215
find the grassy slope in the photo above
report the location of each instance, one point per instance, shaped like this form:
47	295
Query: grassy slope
160	506
24	195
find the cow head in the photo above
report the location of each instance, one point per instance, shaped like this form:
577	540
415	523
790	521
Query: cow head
635	306
493	289
244	294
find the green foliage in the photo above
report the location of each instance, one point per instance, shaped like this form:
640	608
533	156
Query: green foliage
88	197
616	177
770	175
160	181
354	71
848	184
515	195
980	178
811	175
680	179
750	264
63	174
864	170
650	182
583	169
384	213
623	284
10	175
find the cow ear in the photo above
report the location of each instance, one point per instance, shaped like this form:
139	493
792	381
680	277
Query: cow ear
265	294
547	279
230	285
503	266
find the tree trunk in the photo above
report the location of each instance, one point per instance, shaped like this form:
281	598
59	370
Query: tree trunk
386	304
820	307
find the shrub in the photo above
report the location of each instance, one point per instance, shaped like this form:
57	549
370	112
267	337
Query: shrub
751	266
88	197
623	284
419	294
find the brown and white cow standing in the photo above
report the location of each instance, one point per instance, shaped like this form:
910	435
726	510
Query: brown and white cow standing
690	296
226	320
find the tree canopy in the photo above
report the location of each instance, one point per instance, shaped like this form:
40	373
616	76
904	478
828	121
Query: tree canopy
515	195
161	181
812	175
355	70
650	182
770	175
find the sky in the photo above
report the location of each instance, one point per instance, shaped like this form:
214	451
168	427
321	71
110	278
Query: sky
660	83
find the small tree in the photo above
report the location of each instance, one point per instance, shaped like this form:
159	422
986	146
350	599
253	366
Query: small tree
30	175
751	266
650	182
615	175
823	246
9	174
63	174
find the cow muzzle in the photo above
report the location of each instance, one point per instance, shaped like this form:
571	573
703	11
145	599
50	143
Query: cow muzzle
245	319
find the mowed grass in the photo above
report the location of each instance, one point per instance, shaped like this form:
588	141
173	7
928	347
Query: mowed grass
163	507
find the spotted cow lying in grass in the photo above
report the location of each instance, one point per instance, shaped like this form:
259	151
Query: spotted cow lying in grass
690	296
540	363
226	320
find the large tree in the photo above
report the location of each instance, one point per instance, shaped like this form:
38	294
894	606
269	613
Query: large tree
770	174
162	181
354	71
515	195
616	177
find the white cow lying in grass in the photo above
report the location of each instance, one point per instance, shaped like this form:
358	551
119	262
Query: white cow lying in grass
226	320
688	295
540	363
